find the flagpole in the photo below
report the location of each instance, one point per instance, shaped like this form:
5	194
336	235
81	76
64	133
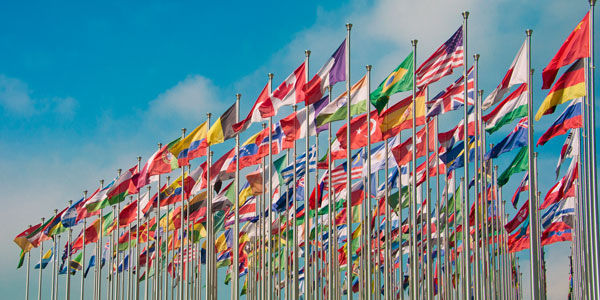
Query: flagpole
157	241
477	249
429	257
181	229
262	217
129	268
41	257
307	275
330	213
348	174
236	207
447	252
69	246
118	235
98	267
53	256
388	217
209	219
413	209
442	278
137	241
533	227
270	287
83	254
27	273
295	205
56	268
147	281
368	205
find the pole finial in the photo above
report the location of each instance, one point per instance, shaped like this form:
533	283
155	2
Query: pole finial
270	75
465	14
528	32
102	181
238	96
348	26
476	56
413	42
208	115
55	211
294	107
183	130
70	202
369	67
307	53
592	2
159	145
264	125
139	158
480	93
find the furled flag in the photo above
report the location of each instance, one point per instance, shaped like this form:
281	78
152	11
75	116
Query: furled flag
359	131
519	164
287	93
337	110
45	259
399	116
161	162
448	56
570	85
517	138
222	129
570	148
562	211
511	108
523	186
254	114
452	98
192	146
568	119
521	215
331	73
516	74
576	46
400	80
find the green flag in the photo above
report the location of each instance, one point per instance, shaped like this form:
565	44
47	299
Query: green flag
279	164
519	164
400	80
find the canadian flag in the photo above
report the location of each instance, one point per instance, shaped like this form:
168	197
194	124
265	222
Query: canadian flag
288	92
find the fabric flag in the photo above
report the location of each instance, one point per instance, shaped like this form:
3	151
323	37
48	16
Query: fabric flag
519	164
511	108
565	187
222	129
124	185
331	73
69	218
570	85
75	264
517	74
400	80
570	148
337	109
254	114
93	202
22	241
556	232
128	214
449	138
90	264
294	125
576	46
562	211
570	118
45	259
82	212
338	173
161	162
452	98
523	186
359	131
288	92
517	138
378	157
521	215
192	146
403	152
448	56
399	116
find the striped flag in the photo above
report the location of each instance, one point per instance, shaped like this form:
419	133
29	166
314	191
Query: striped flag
523	186
448	56
511	108
452	98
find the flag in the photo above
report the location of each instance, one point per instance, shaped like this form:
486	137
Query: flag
400	80
564	187
288	92
331	73
254	114
124	185
82	212
449	138
75	264
448	56
519	164
517	138
576	46
93	202
69	217
294	125
523	186
222	129
403	152
556	232
338	173
517	74
359	131
45	259
562	211
21	239
570	148
570	118
192	146
452	98
337	109
90	264
128	213
570	85
511	108
161	162
399	116
518	219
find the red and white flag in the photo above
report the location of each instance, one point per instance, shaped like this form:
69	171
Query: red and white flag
288	92
448	56
254	115
517	74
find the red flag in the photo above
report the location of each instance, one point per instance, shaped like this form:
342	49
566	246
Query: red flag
519	218
402	153
358	131
254	115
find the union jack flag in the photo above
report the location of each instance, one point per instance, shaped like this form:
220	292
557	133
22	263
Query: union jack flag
452	98
448	56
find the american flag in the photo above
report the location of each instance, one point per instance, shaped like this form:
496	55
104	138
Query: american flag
452	98
338	174
442	61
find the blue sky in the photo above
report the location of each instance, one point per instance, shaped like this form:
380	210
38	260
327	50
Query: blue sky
85	89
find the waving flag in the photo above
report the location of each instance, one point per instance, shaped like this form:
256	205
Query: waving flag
448	56
94	201
222	129
521	215
294	125
287	93
517	74
562	211
517	138
523	186
192	146
338	174
69	218
359	131
46	259
564	187
400	80
331	73
556	232
402	153
570	118
449	138
399	116
511	108
452	98
570	148
569	86
254	115
161	162
519	164
576	46
338	109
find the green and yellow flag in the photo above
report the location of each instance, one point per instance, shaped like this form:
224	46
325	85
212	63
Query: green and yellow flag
400	80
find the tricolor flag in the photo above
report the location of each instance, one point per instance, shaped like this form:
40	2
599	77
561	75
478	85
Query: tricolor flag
576	46
331	73
161	162
570	118
337	109
400	80
511	108
222	129
569	86
448	56
45	259
287	93
517	74
517	138
192	146
452	98
399	116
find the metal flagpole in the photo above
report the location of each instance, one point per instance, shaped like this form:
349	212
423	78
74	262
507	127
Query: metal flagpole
55	293
109	276
147	281
270	287
41	257
447	251
263	271
157	241
388	217
295	205
54	254
100	249
83	254
429	257
137	241
413	192
466	240
236	207
368	197
116	242
129	262
181	229
27	274
478	201
307	274
400	220
348	174
533	233
330	214
442	284
209	219
69	247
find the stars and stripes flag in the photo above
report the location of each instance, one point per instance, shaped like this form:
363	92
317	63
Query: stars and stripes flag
448	56
338	174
